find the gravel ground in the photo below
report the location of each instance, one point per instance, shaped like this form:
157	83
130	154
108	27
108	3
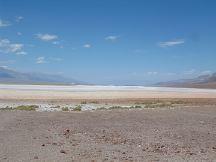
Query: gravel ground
162	134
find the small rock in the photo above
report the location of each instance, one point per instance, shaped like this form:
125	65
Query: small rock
66	131
35	157
43	145
62	151
162	146
191	153
54	143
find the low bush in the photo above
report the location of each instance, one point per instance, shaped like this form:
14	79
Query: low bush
26	107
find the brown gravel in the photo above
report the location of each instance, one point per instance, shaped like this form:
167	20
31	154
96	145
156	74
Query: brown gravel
162	134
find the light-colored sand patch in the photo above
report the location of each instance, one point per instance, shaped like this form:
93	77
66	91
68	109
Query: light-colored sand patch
22	94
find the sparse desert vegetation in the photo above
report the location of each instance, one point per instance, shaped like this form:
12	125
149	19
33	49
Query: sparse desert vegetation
136	107
77	108
56	106
65	109
101	108
26	107
7	108
158	105
21	107
105	106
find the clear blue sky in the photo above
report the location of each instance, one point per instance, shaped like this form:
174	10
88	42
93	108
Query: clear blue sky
110	41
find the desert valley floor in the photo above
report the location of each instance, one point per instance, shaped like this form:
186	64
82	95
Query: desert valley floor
113	124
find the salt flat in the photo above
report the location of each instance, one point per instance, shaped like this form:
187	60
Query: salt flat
75	88
53	92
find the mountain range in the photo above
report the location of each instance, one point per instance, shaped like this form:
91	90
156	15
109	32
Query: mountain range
12	76
202	81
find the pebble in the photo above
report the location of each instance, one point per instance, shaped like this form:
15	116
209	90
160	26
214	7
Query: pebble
62	151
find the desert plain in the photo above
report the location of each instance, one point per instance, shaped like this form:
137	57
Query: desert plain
106	123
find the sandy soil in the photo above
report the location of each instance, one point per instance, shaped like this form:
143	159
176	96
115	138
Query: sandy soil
163	134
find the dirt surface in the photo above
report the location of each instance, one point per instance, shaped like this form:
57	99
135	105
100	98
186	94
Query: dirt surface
160	134
98	95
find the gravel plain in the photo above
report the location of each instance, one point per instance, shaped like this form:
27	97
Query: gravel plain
179	134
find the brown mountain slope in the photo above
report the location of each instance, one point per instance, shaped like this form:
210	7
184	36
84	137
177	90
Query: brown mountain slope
203	81
211	85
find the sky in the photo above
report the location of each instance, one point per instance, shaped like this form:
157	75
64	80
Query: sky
122	42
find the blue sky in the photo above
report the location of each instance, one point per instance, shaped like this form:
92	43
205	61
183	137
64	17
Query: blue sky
110	41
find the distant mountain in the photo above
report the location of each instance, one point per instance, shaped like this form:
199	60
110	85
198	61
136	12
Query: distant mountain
12	76
203	81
